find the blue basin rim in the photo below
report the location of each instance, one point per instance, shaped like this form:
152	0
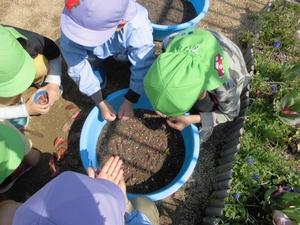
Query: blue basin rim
92	128
161	31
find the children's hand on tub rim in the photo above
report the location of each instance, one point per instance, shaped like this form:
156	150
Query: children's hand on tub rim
107	112
112	171
126	110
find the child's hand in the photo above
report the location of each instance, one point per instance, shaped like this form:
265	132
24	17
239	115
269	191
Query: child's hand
53	92
35	109
181	122
111	171
126	110
108	113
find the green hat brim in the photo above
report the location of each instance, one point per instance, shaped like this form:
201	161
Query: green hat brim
12	150
21	81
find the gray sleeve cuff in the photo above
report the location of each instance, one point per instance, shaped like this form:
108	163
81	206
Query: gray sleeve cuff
207	125
97	97
132	96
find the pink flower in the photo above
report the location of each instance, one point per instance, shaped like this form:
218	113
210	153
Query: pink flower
287	111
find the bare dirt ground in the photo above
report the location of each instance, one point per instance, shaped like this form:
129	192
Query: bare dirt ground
186	205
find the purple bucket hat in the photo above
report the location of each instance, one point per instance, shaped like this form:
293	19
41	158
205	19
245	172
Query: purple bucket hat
93	22
74	199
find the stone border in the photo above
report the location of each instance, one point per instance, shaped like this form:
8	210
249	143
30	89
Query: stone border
225	161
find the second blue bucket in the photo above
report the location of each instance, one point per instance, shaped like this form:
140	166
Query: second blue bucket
162	31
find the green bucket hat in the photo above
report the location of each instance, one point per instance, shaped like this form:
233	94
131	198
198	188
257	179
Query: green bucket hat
17	70
12	150
193	62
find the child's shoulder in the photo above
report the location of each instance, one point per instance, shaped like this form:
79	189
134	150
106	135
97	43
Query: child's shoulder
141	18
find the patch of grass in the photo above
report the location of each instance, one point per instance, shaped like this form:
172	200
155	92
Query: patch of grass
280	24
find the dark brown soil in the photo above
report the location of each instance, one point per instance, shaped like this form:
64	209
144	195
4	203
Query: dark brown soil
152	152
166	12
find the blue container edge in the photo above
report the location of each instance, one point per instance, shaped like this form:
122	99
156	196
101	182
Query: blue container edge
161	31
91	160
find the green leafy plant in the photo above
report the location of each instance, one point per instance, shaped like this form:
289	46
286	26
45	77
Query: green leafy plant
288	108
292	73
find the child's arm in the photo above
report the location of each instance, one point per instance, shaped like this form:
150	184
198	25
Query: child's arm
80	70
181	122
54	74
141	60
228	95
12	112
141	57
228	108
23	110
38	44
141	53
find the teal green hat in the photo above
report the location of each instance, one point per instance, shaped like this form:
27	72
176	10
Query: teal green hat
17	69
193	62
12	150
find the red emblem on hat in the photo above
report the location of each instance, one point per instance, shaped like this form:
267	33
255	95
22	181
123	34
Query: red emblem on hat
219	65
70	4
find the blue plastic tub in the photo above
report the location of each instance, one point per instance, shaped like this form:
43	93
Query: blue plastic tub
162	31
92	128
